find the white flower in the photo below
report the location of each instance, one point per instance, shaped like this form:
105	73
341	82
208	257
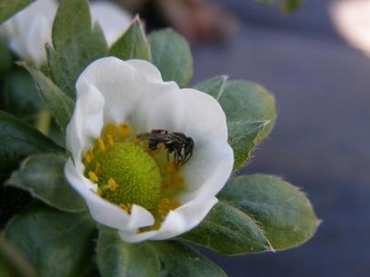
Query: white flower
116	158
30	29
352	20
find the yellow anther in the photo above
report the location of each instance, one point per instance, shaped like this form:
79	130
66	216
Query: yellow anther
155	226
165	205
110	129
159	148
124	130
110	140
165	185
99	192
177	180
171	167
93	177
89	156
126	207
112	184
97	168
101	144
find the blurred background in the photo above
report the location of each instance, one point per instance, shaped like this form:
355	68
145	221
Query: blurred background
321	138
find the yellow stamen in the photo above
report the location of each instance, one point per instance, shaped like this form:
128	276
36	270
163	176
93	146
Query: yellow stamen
155	226
165	205
93	177
165	184
159	148
110	129
171	167
126	207
112	184
99	192
177	180
97	169
110	140
89	156
101	145
124	130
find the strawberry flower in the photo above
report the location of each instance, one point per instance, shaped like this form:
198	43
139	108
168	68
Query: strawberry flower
147	156
30	29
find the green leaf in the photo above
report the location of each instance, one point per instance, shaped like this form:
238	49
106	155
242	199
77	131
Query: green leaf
171	55
256	213
214	86
43	176
118	258
181	261
133	44
250	113
57	244
9	8
12	262
59	103
19	140
20	96
76	44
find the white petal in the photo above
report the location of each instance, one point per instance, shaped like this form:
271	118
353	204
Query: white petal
87	120
112	19
30	29
117	82
185	218
352	20
191	112
176	223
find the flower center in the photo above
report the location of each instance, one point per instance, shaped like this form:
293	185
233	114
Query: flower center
128	172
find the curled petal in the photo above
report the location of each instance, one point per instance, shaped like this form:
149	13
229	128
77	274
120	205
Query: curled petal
112	90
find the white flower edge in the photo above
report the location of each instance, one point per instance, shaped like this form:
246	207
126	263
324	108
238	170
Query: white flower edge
30	29
112	90
352	20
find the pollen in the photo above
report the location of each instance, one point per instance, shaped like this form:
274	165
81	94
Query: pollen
110	140
124	130
112	184
128	171
126	207
171	167
93	177
97	168
178	180
110	129
165	205
89	156
101	145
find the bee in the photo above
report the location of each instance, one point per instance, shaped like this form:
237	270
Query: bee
177	143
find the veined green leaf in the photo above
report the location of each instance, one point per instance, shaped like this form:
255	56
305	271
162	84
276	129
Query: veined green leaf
59	103
181	261
256	213
171	55
250	113
133	44
76	43
57	244
43	176
19	140
117	258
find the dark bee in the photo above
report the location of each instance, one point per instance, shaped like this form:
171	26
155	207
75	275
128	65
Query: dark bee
177	143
